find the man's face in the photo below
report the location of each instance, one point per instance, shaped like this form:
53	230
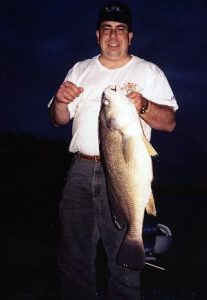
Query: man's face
114	39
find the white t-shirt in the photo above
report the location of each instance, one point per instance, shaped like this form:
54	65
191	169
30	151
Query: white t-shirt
137	75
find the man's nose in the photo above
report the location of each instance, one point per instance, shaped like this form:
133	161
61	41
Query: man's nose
113	31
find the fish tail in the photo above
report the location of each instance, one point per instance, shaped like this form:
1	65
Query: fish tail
131	254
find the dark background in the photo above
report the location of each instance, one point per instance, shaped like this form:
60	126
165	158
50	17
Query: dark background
40	41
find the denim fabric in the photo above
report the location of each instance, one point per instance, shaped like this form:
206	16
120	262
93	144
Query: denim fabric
85	218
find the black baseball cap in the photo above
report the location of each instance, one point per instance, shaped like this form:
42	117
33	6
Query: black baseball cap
115	11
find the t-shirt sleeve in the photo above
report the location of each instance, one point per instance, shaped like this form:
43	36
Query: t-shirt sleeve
158	89
71	76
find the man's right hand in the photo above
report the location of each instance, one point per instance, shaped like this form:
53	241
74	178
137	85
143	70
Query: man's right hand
67	92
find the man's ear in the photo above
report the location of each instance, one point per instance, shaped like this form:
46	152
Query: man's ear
130	37
97	36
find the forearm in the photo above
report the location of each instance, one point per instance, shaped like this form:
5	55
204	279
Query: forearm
160	117
59	113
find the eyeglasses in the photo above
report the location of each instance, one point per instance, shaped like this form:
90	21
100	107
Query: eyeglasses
119	30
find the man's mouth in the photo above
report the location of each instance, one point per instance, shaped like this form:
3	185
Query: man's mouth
113	44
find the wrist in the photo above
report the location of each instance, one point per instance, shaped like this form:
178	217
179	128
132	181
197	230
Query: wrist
144	107
59	103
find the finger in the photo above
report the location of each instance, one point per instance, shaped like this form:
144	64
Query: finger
81	89
63	96
72	88
132	95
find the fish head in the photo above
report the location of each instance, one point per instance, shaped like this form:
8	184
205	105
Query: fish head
118	108
112	95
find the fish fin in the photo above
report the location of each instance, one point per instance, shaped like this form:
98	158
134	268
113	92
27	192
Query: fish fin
131	254
118	224
128	149
150	148
150	207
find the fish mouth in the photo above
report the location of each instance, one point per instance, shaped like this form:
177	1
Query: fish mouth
105	100
113	88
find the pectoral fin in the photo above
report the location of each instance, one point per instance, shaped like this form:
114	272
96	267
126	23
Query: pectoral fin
128	149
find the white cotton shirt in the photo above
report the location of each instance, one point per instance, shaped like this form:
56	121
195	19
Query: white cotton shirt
137	75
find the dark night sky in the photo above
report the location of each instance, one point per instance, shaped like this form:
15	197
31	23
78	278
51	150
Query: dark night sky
41	40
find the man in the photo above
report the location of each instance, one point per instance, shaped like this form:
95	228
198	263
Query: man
84	211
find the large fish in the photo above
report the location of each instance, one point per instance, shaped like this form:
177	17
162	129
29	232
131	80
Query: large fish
126	156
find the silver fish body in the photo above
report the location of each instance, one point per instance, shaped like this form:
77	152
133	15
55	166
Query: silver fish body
128	168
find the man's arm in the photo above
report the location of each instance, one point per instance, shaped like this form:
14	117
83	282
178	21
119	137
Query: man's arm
66	93
160	117
59	113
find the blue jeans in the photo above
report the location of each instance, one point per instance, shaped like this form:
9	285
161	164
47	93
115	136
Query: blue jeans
85	218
